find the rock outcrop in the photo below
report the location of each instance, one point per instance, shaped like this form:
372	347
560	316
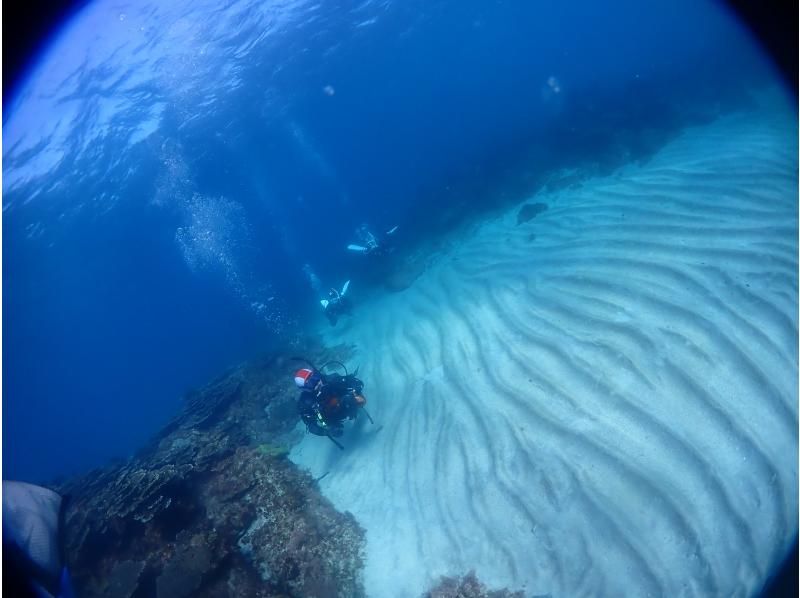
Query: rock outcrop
468	586
212	507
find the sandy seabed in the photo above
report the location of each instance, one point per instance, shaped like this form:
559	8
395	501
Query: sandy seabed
601	401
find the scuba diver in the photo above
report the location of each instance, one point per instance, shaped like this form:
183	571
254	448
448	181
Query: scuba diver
336	304
370	244
33	551
326	400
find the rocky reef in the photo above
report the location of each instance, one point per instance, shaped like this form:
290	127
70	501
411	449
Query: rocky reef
212	507
468	586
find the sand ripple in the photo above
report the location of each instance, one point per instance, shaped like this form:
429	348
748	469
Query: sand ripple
607	409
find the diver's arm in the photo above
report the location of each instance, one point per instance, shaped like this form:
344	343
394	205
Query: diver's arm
315	423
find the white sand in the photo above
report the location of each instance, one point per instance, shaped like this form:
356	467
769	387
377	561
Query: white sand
609	409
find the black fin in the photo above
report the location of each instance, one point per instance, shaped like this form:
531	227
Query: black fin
336	442
369	417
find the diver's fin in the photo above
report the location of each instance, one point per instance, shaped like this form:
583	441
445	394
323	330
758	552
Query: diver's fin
33	519
357	248
369	417
391	230
324	303
344	288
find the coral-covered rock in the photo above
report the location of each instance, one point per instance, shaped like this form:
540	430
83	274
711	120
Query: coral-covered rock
183	573
468	586
212	507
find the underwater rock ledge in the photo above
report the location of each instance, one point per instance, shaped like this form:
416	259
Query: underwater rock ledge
213	507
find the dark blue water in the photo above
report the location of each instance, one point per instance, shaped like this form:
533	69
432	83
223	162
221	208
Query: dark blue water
169	170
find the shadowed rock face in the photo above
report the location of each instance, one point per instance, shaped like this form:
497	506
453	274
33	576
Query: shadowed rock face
213	507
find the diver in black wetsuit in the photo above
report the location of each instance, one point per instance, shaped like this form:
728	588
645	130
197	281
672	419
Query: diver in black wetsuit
327	400
336	304
371	245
